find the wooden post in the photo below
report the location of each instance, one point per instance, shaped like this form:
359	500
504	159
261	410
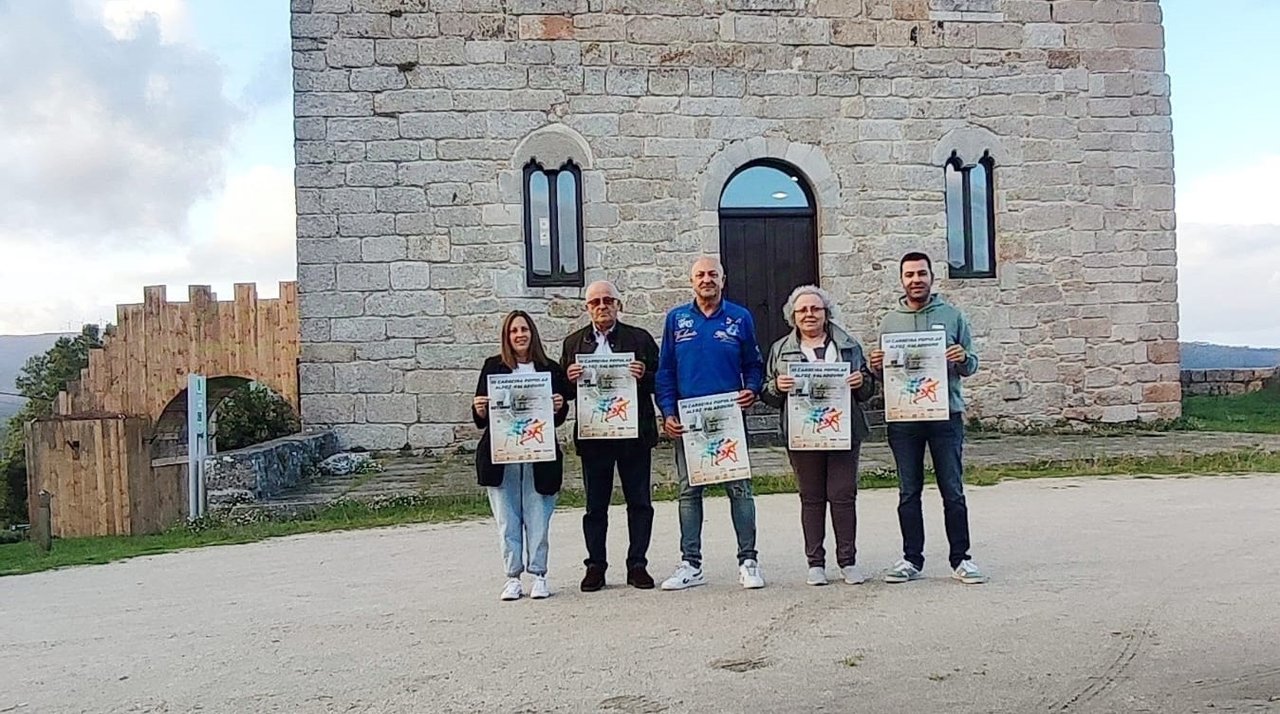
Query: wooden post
42	529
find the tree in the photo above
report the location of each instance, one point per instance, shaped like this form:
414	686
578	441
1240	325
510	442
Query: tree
251	415
40	380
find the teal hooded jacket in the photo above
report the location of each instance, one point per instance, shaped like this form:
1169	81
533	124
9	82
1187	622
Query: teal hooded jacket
938	314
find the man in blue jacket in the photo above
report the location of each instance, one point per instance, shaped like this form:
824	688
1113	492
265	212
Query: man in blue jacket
709	347
920	310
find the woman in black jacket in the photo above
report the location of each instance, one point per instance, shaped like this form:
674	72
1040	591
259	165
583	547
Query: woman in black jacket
522	495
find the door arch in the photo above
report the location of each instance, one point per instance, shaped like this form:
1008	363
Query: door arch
768	241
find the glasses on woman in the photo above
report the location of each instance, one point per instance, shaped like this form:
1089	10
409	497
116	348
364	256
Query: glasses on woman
810	310
597	302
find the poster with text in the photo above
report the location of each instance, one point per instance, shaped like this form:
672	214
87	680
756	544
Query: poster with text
915	376
818	407
715	439
607	397
521	418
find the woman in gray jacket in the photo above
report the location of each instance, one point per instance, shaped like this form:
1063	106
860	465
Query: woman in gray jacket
823	477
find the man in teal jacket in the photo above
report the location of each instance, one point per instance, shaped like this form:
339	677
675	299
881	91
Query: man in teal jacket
919	310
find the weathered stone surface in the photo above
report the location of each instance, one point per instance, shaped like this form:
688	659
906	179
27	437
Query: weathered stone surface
414	126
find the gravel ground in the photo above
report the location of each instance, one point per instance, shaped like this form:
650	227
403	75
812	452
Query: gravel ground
1134	595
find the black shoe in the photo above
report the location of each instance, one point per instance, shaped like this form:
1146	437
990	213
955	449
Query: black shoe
638	577
594	579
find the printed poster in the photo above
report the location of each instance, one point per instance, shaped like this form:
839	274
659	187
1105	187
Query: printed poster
819	406
915	376
715	439
522	418
607	397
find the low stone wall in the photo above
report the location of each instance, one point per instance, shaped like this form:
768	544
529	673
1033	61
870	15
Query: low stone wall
1227	381
257	472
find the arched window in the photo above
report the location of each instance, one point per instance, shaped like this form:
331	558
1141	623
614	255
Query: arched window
971	217
553	225
766	185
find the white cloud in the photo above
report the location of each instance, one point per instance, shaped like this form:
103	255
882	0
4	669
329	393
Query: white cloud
124	18
108	139
1229	256
1243	196
250	238
1229	284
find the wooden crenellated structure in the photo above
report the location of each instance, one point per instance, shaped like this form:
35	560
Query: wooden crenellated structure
95	454
144	365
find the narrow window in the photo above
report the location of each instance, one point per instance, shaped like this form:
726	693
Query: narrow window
553	225
971	218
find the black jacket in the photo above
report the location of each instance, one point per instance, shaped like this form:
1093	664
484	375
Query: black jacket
623	338
547	475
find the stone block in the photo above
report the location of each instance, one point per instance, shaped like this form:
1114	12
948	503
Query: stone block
410	276
366	378
377	79
383	249
328	408
404	303
349	53
391	408
364	276
390	349
330	304
372	436
419	327
430	436
357	329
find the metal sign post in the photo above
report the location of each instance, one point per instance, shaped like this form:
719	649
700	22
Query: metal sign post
197	444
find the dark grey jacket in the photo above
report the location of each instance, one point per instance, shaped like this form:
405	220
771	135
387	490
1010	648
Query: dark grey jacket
787	350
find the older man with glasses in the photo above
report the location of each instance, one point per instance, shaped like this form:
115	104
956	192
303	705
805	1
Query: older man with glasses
632	457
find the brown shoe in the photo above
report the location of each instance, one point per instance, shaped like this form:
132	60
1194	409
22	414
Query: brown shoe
638	577
594	579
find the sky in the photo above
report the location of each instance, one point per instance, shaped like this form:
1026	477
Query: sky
149	142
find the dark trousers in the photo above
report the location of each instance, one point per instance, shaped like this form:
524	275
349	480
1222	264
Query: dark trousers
632	459
828	477
945	440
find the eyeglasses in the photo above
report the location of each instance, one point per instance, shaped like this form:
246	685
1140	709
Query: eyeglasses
597	302
810	310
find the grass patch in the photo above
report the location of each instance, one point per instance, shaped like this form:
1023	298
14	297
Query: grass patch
1258	412
19	558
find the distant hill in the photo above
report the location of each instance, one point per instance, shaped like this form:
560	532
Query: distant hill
14	352
1203	355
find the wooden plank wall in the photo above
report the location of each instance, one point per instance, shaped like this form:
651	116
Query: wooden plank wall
99	472
158	343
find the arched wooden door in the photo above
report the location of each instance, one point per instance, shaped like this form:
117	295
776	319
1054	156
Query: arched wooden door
768	241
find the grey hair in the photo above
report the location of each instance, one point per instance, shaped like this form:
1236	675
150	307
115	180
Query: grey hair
789	310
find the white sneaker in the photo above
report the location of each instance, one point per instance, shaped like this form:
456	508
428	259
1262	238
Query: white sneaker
853	575
817	576
749	575
968	573
539	589
686	576
901	572
513	590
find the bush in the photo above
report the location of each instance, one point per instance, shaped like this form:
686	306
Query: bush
251	415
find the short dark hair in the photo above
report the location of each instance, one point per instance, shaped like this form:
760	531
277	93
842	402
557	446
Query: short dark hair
914	256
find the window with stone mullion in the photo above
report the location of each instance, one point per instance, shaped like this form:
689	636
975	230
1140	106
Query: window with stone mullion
971	223
553	225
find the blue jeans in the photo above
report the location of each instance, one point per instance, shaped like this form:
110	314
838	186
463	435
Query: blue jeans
523	516
945	440
742	510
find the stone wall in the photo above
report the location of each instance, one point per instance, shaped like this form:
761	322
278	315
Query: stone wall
1228	381
414	117
257	472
